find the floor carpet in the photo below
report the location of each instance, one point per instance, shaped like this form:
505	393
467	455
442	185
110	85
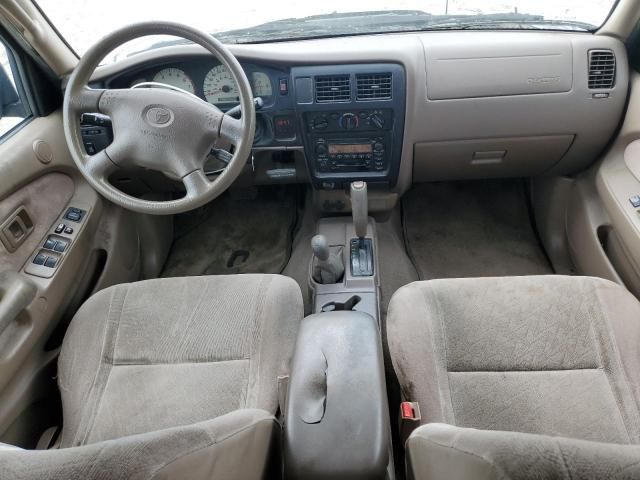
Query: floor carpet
239	232
471	229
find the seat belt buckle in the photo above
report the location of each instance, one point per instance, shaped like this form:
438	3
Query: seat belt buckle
409	419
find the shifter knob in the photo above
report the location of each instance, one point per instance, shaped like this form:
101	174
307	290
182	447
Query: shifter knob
320	247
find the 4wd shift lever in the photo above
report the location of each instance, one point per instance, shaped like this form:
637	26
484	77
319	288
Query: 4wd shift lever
328	266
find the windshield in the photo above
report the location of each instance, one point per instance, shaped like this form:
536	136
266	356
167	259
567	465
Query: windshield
83	22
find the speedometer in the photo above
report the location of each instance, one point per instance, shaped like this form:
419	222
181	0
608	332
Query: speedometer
219	86
176	78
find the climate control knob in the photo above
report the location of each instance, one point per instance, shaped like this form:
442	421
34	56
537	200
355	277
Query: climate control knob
349	121
377	120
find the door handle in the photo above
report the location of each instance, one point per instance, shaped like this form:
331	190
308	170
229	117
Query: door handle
15	230
16	293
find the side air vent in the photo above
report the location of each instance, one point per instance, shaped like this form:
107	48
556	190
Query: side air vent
602	69
333	88
373	86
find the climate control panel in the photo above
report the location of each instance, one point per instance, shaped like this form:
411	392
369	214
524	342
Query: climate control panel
350	121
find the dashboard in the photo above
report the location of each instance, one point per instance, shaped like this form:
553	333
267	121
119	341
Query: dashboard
435	106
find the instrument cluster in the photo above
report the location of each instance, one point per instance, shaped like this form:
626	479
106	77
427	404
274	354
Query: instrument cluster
214	83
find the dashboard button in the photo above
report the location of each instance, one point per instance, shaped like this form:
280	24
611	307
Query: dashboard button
283	86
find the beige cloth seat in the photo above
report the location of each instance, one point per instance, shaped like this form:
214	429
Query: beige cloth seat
519	369
172	354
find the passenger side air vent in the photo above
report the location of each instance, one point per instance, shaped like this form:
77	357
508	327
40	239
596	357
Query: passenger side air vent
333	88
602	69
373	86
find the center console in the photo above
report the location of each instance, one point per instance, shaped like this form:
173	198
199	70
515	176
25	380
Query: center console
336	416
352	122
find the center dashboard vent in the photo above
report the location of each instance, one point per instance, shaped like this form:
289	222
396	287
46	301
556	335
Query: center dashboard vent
602	69
333	88
373	86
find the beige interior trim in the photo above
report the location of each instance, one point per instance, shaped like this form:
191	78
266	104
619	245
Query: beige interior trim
37	31
622	20
616	182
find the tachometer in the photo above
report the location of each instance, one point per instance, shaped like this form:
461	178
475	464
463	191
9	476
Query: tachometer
219	86
261	84
176	78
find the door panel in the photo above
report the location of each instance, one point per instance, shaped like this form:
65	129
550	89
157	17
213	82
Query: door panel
40	192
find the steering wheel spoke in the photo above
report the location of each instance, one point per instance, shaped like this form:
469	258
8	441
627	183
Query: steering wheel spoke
100	165
196	183
231	129
88	100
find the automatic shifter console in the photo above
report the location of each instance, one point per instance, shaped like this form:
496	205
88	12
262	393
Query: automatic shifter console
361	248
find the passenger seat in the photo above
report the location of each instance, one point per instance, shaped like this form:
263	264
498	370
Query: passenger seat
521	377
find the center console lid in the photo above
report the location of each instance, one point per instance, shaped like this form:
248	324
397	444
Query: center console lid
336	419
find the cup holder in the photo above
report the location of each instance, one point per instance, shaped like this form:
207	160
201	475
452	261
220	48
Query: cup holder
348	305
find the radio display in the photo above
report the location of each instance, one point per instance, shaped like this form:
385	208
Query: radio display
337	148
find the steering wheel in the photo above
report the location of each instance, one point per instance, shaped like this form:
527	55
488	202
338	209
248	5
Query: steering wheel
166	130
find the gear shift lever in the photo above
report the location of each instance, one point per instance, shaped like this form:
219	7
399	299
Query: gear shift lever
360	208
361	248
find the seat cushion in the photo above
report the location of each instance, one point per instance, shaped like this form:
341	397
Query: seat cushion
547	355
162	353
240	445
437	451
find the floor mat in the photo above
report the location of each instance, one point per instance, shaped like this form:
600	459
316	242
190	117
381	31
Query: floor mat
471	229
245	232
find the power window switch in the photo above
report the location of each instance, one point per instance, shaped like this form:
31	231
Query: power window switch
51	262
40	259
49	244
60	246
74	214
635	201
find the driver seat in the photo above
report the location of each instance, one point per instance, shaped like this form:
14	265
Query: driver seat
156	373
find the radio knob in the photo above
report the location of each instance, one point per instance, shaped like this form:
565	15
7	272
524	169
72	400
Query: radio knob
378	147
349	121
377	120
321	149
